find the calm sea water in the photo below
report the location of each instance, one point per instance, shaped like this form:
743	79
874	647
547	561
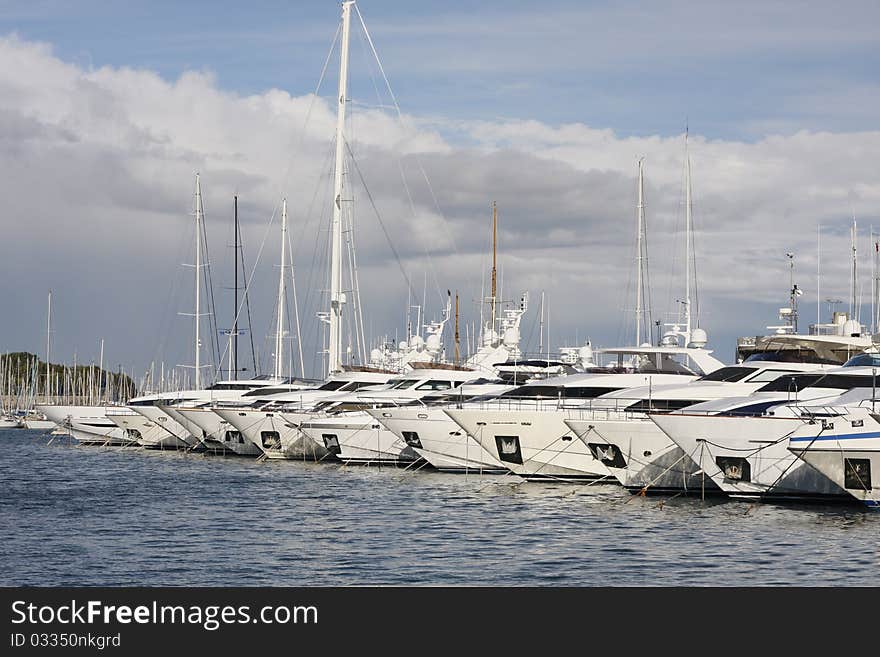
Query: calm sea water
106	516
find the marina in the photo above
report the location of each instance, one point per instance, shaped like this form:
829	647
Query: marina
421	387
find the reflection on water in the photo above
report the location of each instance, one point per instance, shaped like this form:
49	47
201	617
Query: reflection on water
107	516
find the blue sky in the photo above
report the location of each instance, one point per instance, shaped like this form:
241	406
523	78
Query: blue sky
733	70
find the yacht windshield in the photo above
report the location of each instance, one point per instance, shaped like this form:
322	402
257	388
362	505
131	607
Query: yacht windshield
863	360
402	385
728	374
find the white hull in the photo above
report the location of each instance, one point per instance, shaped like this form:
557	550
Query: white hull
532	444
358	439
88	424
439	440
645	458
275	435
184	429
39	425
6	423
848	455
747	456
218	434
165	432
143	431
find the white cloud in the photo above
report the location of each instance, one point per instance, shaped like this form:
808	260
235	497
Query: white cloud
99	186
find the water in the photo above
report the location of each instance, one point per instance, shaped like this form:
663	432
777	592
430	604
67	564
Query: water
106	516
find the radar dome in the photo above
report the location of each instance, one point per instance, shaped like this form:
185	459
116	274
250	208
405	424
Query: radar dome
511	337
376	355
433	343
402	346
698	338
670	339
417	342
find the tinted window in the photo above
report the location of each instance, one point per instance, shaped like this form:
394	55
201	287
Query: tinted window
728	374
768	375
863	360
791	383
571	392
435	385
332	385
402	385
660	405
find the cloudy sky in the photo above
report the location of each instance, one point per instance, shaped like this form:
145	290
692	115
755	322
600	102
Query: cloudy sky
107	110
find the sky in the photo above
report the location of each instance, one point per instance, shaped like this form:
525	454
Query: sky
107	111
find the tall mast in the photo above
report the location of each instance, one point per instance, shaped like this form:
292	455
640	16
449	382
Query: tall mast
457	337
494	290
198	341
337	298
235	305
101	374
688	239
852	302
639	236
279	343
541	333
48	332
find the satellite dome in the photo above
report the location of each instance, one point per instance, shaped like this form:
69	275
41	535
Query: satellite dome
698	338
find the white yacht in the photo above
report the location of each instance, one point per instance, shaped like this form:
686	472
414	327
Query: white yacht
525	427
343	426
742	443
87	424
844	448
619	433
429	431
269	419
215	432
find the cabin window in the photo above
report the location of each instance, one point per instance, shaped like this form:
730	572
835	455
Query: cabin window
412	438
403	384
435	385
270	438
857	474
728	374
768	375
133	434
508	449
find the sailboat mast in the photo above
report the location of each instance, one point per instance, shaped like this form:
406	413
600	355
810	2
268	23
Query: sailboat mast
639	248
48	333
688	239
457	337
853	292
279	342
101	374
234	368
494	290
337	298
198	341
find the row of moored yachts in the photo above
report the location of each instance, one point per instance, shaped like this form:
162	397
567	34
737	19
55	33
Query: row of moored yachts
787	422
